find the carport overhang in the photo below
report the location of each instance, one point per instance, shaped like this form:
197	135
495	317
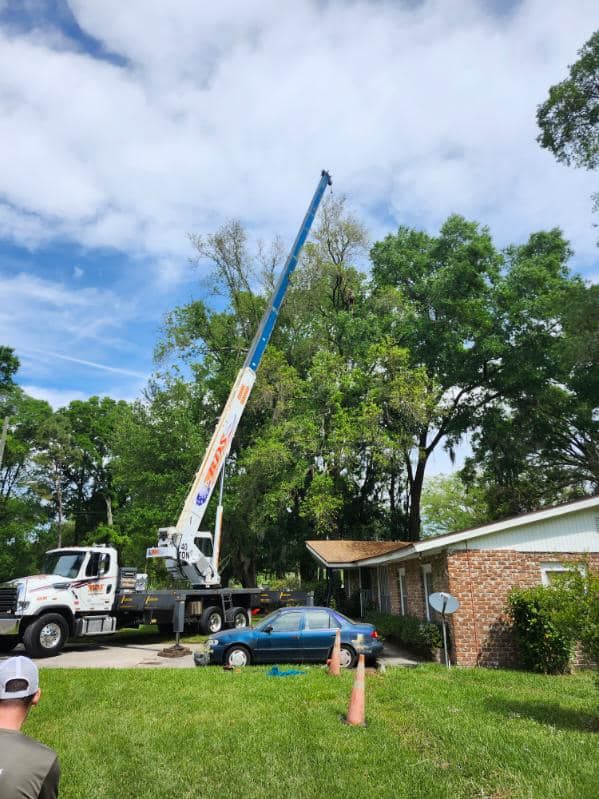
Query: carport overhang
348	554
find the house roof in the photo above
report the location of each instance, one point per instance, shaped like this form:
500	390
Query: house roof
341	553
402	550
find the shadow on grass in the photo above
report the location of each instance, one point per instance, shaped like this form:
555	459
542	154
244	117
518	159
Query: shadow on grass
550	713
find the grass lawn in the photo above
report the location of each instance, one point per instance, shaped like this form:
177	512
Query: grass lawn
174	734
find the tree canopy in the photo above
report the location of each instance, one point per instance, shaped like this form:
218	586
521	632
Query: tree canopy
569	118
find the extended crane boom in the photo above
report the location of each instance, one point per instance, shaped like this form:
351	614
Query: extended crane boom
189	553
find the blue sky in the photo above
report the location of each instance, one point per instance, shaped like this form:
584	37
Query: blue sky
126	126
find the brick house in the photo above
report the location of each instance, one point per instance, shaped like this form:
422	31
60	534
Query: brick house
478	566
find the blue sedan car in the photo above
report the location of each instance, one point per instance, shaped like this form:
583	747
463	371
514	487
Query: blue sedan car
304	634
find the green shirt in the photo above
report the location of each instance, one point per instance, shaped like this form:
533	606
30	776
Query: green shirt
28	769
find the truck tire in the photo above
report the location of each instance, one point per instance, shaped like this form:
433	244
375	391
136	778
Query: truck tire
237	618
45	636
212	620
8	643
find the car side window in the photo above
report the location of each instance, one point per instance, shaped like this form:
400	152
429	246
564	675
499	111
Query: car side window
317	620
287	622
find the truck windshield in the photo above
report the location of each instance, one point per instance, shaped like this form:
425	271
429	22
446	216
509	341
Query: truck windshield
63	564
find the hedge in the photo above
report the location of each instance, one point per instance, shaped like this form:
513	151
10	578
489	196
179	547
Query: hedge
421	636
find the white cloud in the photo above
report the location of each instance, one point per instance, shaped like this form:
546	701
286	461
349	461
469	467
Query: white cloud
58	398
232	109
36	312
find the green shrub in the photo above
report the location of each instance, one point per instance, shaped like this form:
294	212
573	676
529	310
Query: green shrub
545	641
421	636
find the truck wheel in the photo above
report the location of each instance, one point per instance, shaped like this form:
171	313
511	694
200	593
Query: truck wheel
7	644
237	618
237	656
45	636
212	620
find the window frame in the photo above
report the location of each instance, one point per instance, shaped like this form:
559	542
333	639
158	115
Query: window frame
557	566
402	588
427	587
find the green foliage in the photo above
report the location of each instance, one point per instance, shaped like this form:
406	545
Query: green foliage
549	620
545	645
9	365
449	505
569	118
421	636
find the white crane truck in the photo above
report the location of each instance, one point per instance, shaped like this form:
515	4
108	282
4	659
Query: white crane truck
84	591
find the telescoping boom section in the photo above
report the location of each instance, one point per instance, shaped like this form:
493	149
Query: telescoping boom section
189	553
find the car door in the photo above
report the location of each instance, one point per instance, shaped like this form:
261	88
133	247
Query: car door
280	641
318	634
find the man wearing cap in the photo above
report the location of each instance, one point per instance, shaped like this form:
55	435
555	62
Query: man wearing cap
28	769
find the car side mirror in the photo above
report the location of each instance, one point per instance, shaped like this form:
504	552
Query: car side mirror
268	629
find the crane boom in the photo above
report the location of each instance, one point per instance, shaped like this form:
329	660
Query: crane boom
189	553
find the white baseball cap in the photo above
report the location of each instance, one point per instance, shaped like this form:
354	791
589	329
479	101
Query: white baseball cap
18	668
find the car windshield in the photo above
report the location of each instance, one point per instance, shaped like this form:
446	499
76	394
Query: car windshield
63	564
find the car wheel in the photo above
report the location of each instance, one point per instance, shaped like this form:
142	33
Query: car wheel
45	636
238	618
211	621
348	657
237	656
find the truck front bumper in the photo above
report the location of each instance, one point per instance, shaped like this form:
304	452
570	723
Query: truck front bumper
9	625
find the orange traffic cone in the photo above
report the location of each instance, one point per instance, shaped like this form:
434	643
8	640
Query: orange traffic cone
335	659
356	713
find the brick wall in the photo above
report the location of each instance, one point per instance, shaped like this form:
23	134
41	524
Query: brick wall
415	585
482	580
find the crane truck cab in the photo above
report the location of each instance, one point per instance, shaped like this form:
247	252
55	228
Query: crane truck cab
74	595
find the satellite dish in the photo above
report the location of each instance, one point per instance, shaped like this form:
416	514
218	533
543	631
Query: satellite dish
443	603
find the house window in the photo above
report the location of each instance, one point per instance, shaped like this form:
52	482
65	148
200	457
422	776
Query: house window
549	571
427	584
403	591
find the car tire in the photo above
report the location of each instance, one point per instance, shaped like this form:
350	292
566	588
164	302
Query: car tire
46	636
211	621
237	656
237	618
7	644
348	657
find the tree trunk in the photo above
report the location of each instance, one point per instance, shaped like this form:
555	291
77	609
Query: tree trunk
416	484
108	502
58	488
3	437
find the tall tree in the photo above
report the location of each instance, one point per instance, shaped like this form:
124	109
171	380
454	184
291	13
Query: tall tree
569	118
487	327
9	365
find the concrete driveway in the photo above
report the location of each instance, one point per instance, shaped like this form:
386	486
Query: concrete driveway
132	654
113	655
